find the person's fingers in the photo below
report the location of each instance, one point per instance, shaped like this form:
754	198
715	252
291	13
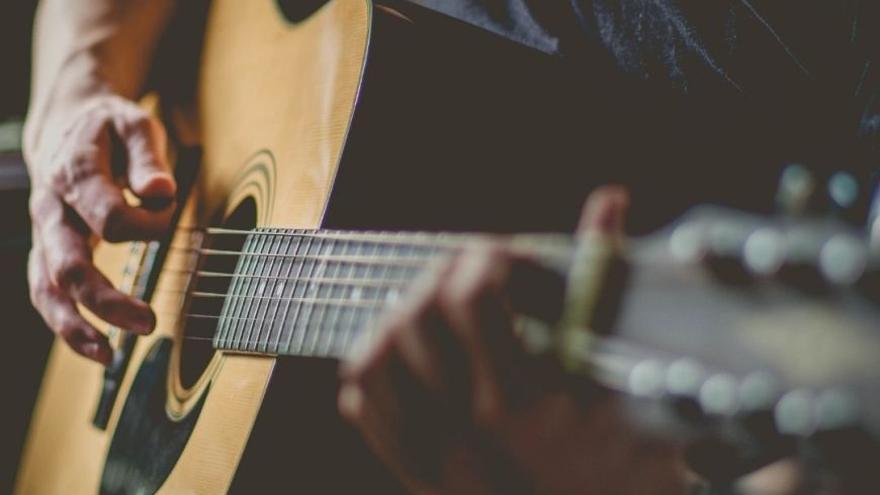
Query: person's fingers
82	177
371	401
605	211
69	269
435	355
356	405
148	171
61	315
472	300
102	206
373	345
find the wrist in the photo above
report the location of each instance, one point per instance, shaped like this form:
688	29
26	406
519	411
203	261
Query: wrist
52	108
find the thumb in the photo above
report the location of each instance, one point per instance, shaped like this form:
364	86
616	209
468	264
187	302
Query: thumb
605	211
148	172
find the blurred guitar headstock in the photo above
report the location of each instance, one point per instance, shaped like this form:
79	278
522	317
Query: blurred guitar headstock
761	333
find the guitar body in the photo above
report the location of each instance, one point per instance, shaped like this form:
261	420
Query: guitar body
322	57
276	124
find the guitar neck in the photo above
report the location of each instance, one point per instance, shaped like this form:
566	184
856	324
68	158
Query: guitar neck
312	292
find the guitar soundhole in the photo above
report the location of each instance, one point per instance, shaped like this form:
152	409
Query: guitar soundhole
299	10
210	283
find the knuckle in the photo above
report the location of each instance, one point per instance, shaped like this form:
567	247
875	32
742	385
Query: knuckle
74	169
36	291
67	328
37	284
394	325
449	300
351	403
466	295
136	121
70	271
488	412
485	247
140	121
102	305
111	218
39	203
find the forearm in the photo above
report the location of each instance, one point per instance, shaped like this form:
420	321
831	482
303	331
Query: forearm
88	47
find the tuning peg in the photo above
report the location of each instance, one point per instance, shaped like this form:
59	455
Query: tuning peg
764	252
797	187
843	259
849	194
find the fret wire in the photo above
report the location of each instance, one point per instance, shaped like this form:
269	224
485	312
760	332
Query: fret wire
347	323
311	290
320	328
238	303
276	336
382	273
312	334
269	288
365	260
296	331
369	271
254	331
335	316
230	306
248	289
251	302
296	309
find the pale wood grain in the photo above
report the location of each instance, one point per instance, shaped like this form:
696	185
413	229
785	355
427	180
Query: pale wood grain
264	85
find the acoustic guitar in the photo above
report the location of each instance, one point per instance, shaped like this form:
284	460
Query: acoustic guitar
299	192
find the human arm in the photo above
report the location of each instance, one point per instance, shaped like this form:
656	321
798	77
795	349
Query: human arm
90	61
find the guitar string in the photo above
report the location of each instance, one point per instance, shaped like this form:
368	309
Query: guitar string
430	240
372	310
307	300
413	261
410	238
241	345
371	305
375	239
348	339
370	283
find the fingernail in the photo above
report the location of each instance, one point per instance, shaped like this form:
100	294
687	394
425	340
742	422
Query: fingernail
145	322
605	211
157	204
351	401
99	353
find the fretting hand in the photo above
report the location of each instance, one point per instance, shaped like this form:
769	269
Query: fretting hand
448	398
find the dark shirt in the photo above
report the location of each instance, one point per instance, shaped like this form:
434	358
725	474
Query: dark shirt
724	92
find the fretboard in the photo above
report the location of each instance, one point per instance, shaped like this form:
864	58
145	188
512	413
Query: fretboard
297	292
310	293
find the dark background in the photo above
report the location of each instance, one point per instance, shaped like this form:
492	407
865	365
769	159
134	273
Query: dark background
26	340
